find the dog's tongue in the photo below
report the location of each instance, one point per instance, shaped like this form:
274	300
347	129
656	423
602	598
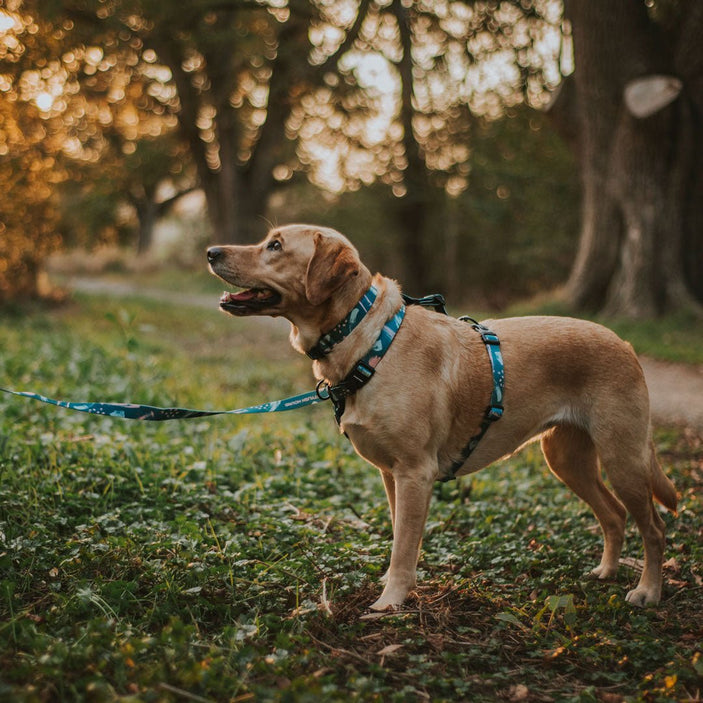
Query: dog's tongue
244	295
238	297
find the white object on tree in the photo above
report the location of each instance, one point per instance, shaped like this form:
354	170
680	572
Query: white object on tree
649	94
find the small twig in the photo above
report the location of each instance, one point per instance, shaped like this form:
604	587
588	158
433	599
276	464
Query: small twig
339	650
184	694
449	592
323	600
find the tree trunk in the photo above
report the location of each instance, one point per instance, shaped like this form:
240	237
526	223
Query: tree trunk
635	172
147	215
413	209
237	175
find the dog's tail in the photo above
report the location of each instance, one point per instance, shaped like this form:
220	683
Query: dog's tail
664	490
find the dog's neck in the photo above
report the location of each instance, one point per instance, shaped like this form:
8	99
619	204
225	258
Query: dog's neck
339	361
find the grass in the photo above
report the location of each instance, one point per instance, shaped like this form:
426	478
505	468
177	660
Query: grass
230	559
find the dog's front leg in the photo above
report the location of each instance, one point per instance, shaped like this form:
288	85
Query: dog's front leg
389	485
412	492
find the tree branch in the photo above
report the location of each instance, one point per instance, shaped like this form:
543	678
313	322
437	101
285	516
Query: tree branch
349	40
164	205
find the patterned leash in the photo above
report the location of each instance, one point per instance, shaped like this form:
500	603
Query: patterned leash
130	411
323	392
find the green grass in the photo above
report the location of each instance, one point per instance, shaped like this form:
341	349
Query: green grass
230	559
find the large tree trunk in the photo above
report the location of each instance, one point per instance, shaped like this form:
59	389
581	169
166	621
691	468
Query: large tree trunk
636	172
413	209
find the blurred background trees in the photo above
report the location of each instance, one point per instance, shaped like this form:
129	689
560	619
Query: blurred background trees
441	136
637	108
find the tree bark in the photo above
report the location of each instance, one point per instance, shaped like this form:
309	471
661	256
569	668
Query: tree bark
635	172
413	209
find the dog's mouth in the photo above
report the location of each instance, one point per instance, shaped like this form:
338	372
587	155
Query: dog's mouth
251	300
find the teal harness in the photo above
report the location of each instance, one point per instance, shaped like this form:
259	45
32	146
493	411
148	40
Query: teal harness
362	373
359	376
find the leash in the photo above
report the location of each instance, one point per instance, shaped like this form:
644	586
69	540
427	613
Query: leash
359	376
131	411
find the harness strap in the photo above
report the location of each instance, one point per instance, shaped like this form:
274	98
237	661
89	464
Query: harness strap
434	301
494	411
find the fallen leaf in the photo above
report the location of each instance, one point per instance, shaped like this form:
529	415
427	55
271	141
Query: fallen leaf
607	697
519	692
389	649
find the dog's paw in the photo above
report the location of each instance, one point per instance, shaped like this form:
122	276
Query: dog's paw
383	605
378	614
642	597
603	572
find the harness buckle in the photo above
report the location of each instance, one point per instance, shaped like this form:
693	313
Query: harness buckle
360	374
487	336
494	413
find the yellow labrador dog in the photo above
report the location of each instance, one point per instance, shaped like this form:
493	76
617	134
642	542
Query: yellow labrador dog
573	384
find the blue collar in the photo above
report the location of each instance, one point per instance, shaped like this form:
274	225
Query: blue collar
344	328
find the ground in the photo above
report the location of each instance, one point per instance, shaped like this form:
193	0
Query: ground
234	559
676	393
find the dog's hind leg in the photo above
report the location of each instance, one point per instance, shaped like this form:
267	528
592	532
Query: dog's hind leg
630	470
572	457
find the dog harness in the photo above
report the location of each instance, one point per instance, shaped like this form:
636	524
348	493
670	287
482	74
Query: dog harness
494	410
365	368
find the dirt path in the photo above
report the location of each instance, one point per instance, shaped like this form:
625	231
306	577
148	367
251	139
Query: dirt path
676	390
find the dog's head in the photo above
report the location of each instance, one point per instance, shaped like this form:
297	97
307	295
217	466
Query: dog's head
296	268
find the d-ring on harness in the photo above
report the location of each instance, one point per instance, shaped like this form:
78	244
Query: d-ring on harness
364	369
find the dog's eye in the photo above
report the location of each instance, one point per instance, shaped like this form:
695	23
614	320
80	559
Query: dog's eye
274	245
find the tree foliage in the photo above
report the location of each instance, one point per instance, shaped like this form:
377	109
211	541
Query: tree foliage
241	97
27	154
347	93
76	108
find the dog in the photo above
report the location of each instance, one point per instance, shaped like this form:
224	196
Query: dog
572	384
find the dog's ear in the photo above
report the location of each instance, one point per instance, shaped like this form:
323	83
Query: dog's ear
332	264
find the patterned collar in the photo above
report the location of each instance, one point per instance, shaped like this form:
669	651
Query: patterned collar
344	328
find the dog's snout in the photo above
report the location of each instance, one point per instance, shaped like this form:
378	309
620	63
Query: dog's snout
214	253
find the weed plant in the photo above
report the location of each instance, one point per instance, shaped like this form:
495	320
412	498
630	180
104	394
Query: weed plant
232	559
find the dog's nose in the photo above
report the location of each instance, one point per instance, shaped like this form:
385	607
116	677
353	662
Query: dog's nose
214	253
